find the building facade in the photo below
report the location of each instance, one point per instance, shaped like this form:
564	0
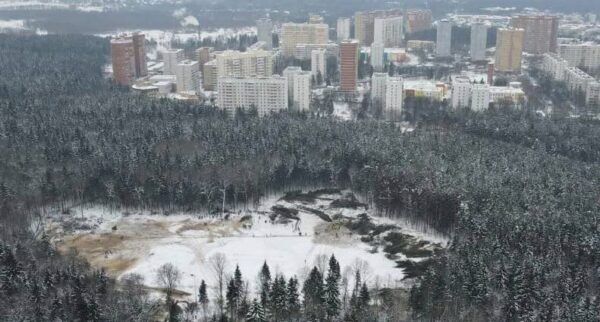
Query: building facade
364	24
251	63
139	54
123	61
343	28
480	97
349	55
577	80
581	55
171	58
289	74
378	86
318	63
509	50
417	20
293	34
461	92
378	56
389	31
267	94
210	75
478	41
188	76
301	92
541	32
443	44
394	97
555	66
264	32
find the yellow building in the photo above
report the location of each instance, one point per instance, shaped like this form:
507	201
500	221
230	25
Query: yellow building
293	34
509	49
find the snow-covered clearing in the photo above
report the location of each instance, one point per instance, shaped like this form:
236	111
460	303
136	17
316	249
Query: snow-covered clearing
140	242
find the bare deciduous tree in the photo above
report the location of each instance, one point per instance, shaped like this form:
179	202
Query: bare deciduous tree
168	277
218	265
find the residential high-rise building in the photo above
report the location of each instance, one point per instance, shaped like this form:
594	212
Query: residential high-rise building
303	51
461	92
480	97
378	56
577	80
378	86
267	94
293	34
123	61
315	19
394	95
554	65
478	41
210	75
581	55
171	58
443	44
592	95
289	74
343	28
264	31
349	55
139	54
417	20
204	55
301	93
188	76
490	73
541	32
251	63
389	31
318	63
364	23
509	49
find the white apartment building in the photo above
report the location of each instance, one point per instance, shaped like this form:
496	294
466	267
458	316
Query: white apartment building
577	80
301	93
289	73
394	94
461	92
478	41
388	31
480	97
507	94
378	86
318	63
554	65
378	56
267	94
581	55
264	32
343	28
188	76
293	34
171	58
443	44
252	63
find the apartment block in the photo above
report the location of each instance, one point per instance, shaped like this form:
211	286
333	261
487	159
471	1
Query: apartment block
480	97
139	54
364	23
461	92
343	28
188	76
123	61
592	94
264	31
267	94
478	41
389	31
378	86
289	74
540	32
378	56
210	75
171	58
554	65
293	34
251	63
394	94
417	20
303	51
443	42
301	92
318	63
349	55
204	55
577	80
581	55
509	49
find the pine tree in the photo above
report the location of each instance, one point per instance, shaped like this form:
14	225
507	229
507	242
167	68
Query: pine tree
202	295
293	298
332	295
314	297
278	299
265	284
256	313
232	297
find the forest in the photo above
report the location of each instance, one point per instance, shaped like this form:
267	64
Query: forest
518	193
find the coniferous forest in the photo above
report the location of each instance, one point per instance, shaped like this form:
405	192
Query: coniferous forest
518	193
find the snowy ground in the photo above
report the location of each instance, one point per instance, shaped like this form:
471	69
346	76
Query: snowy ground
342	110
141	242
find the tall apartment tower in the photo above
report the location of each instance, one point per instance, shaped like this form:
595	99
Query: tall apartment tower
204	55
461	92
349	53
378	83
443	43
289	74
478	41
417	20
343	28
318	63
364	23
377	56
264	30
509	49
389	31
123	60
541	32
480	97
301	92
171	58
293	34
210	75
188	76
394	94
139	53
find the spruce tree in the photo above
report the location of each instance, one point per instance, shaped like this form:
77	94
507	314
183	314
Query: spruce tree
314	297
293	299
278	299
265	284
256	313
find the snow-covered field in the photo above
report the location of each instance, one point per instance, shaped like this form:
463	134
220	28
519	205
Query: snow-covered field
140	242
